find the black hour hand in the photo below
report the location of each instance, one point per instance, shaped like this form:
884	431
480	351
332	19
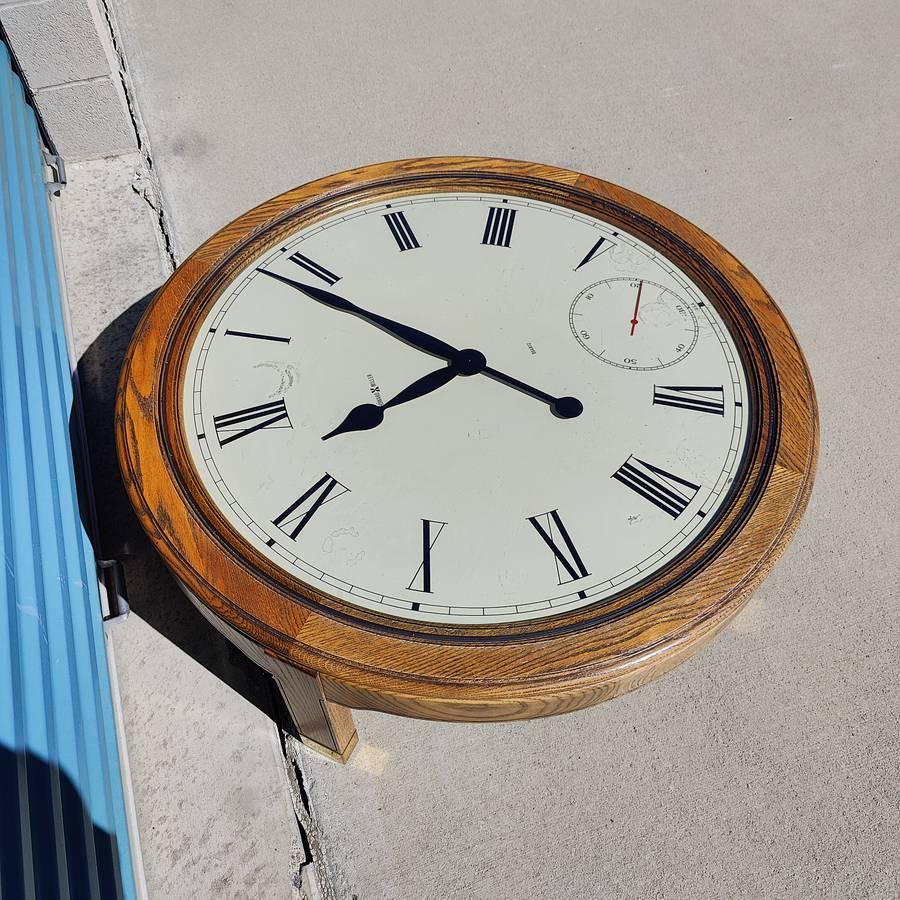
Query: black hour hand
368	415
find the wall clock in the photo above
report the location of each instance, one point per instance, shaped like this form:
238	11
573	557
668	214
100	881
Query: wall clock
464	438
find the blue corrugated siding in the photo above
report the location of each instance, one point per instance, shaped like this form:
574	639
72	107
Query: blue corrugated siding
63	830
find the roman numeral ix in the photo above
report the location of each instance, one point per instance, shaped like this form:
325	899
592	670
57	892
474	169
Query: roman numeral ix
258	337
700	399
242	422
314	268
431	531
296	517
669	492
401	231
554	534
499	226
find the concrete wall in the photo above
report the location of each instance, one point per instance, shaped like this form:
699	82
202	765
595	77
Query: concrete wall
70	64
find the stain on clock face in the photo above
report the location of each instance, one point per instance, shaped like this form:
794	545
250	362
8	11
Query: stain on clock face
466	408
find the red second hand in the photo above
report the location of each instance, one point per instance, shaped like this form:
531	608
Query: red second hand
637	304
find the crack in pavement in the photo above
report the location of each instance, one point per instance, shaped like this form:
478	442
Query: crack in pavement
146	185
319	883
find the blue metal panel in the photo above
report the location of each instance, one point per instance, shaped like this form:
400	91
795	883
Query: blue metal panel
63	831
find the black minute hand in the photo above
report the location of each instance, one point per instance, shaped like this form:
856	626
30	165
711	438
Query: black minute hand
418	339
561	407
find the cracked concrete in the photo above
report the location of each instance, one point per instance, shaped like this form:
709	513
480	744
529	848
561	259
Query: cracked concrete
146	184
317	878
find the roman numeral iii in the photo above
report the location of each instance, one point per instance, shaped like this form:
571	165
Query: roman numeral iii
669	492
431	531
552	531
296	517
314	268
499	226
401	231
238	424
700	399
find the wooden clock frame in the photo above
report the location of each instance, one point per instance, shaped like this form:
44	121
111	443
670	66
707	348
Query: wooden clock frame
327	655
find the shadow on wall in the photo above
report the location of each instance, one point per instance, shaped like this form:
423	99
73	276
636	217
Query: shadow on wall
153	593
49	844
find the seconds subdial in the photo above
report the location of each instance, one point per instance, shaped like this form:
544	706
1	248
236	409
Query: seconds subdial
633	323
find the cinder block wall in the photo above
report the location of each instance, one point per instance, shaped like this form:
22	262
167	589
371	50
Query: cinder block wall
68	60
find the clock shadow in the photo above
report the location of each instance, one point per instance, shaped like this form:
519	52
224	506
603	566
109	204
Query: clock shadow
153	594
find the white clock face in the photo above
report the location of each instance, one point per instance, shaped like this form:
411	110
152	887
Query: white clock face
466	408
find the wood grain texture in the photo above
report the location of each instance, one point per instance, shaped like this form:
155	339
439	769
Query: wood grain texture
323	724
366	659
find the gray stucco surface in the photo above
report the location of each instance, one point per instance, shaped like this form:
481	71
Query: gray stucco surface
56	41
70	65
767	766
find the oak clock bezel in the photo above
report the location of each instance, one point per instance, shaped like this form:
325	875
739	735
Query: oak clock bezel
368	658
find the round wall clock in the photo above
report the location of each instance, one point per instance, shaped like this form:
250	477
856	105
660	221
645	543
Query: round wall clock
464	438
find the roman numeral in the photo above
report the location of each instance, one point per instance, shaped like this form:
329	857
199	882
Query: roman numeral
599	248
401	231
431	531
700	399
242	422
499	226
297	515
314	268
568	561
258	337
669	492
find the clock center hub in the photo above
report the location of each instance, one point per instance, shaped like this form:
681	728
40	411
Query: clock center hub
469	362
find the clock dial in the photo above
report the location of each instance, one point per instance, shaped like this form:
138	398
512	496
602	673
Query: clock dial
395	406
634	323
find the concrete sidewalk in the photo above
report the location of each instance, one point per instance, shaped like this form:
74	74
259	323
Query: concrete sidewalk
765	767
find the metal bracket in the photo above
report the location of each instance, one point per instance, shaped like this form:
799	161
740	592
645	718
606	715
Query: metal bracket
58	168
112	579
